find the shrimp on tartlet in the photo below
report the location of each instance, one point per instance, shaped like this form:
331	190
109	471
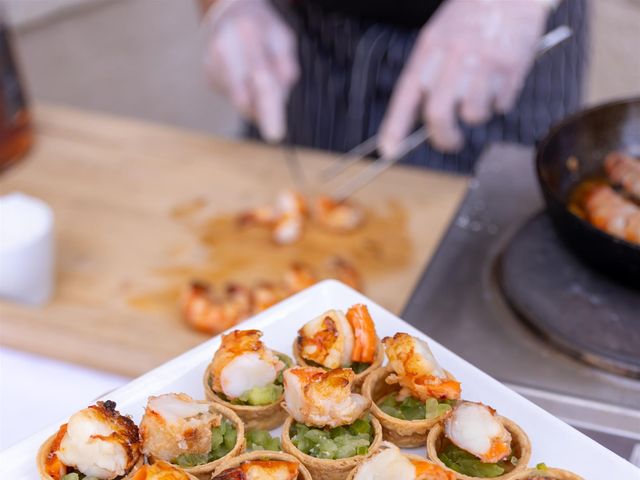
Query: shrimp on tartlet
187	432
328	421
319	398
161	471
389	462
261	470
338	340
262	465
412	393
246	377
417	371
96	442
476	442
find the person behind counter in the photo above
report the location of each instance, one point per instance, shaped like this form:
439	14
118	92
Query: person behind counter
331	73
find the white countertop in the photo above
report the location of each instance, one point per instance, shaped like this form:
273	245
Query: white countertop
36	391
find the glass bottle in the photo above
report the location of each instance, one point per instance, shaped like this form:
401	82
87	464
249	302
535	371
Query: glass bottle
16	134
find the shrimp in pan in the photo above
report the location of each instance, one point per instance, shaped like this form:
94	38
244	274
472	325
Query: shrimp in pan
624	170
416	369
609	211
327	340
174	424
98	442
261	470
242	363
315	397
474	427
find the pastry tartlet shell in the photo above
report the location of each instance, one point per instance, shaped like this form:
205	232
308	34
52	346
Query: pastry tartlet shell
303	473
550	473
520	444
403	433
324	469
203	472
410	456
266	417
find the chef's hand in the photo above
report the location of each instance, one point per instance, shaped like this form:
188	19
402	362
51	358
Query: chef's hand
471	58
251	58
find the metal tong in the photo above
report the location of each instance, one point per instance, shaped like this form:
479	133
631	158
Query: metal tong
369	146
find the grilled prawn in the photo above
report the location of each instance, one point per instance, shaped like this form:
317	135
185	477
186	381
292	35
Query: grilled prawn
174	424
474	427
160	471
336	216
285	219
213	314
624	170
243	363
97	442
261	470
335	340
315	397
609	211
417	371
389	462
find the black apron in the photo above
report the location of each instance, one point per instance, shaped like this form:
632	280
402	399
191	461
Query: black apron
350	64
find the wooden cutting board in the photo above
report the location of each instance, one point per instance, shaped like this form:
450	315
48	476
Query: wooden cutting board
122	192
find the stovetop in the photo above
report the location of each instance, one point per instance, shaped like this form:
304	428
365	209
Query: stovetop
578	309
459	302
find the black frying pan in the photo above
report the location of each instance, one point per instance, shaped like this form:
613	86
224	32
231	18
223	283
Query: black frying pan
589	136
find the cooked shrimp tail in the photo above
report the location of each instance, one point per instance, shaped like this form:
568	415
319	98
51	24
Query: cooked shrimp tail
364	332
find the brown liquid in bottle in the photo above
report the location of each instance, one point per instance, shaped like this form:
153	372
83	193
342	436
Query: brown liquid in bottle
16	135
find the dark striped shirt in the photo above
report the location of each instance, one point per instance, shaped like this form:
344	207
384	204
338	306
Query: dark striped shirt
349	66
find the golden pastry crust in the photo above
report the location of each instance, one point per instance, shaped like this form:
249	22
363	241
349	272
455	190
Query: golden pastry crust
520	445
303	473
323	469
360	377
410	456
203	471
403	433
265	417
550	473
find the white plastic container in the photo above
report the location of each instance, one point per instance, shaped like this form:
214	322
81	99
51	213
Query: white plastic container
26	249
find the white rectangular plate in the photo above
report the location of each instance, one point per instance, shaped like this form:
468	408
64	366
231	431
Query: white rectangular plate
553	441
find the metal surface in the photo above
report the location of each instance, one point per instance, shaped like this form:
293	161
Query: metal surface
459	303
380	166
570	304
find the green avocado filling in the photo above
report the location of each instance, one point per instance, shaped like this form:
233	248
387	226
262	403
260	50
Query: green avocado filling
223	439
261	396
413	409
333	443
467	464
541	466
261	440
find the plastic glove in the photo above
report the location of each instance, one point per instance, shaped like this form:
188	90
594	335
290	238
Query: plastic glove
251	58
471	57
